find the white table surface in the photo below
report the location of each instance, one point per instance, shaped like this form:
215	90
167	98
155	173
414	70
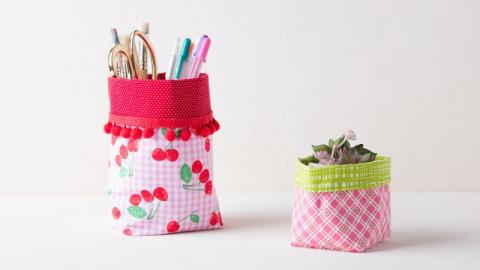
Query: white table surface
429	231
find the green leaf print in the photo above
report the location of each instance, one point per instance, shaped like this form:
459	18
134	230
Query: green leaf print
186	173
163	130
137	212
178	132
194	218
123	172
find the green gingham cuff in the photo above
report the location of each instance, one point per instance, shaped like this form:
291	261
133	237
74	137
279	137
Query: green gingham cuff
334	178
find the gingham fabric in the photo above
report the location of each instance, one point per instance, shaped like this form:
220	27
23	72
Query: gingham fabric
345	221
346	177
151	196
341	207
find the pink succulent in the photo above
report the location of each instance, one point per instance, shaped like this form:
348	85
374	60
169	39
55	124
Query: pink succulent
350	135
324	158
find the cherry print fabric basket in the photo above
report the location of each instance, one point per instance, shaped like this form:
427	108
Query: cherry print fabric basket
160	161
341	207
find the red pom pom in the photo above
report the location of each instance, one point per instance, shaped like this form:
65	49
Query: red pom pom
204	131
185	135
116	130
136	133
126	132
147	133
216	124
212	127
108	127
195	131
170	135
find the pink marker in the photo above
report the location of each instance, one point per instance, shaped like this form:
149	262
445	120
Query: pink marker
200	58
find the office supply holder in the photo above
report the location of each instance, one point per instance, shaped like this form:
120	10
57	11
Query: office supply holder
160	162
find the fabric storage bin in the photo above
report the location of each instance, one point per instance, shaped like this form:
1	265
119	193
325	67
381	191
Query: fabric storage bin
341	207
160	161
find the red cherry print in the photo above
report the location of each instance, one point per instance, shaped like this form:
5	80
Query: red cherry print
207	145
161	194
126	133
147	133
132	145
136	133
197	166
204	131
114	140
108	127
204	175
147	196
123	151
116	131
186	134
135	199
208	187
170	135
127	232
220	220
216	124
116	213
172	154
173	226
118	160
158	154
213	218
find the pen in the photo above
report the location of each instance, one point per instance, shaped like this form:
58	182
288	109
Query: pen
188	61
143	50
182	57
126	72
173	59
115	41
200	57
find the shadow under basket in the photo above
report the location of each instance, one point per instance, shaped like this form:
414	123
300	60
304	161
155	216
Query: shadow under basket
341	207
161	161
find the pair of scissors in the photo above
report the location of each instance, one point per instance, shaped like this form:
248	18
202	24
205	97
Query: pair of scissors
127	56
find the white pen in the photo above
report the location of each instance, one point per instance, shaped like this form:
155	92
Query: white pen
173	60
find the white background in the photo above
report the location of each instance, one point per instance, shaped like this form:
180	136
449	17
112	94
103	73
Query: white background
284	75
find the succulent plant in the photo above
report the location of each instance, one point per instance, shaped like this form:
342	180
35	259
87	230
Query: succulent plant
339	152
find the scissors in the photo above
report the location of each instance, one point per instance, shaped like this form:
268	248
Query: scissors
123	60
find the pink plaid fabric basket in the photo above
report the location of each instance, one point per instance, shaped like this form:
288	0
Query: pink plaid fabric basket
161	164
343	208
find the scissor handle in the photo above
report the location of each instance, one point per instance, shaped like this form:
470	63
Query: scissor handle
115	55
139	73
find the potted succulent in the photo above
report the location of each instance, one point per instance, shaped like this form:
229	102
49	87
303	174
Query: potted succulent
342	197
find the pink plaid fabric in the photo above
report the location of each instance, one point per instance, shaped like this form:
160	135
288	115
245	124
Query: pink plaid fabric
129	174
345	220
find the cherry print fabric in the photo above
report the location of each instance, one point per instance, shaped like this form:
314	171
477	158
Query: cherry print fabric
160	161
352	220
159	186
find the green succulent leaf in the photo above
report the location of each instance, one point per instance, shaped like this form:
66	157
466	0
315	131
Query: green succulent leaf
186	173
331	142
137	212
309	159
322	147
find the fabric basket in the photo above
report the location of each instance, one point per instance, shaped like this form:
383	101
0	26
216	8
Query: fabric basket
341	207
160	162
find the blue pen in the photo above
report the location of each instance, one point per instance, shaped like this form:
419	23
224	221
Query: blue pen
182	57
